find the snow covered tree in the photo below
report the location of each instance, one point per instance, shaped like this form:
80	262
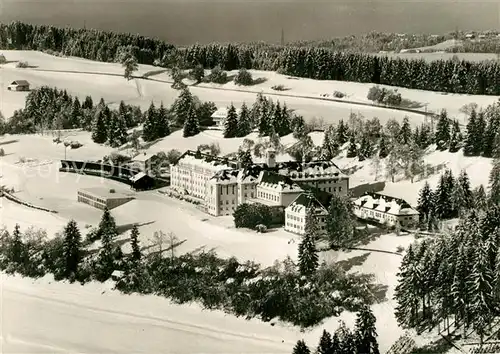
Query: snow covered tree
162	122
281	122
129	62
490	133
455	137
481	130
494	195
72	249
244	122
244	157
425	201
88	103
472	135
107	225
365	149
443	196
392	129
330	148
442	136
308	255
325	343
405	293
191	125
99	128
340	222
231	123
462	195
182	106
366	333
301	348
117	131
150	123
76	117
480	198
352	150
404	135
134	243
482	294
346	339
16	249
392	165
383	150
342	133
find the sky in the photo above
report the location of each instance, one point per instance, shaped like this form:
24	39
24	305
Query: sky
189	21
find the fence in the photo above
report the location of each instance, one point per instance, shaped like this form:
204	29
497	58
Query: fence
21	202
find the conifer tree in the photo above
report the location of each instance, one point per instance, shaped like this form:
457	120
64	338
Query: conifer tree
405	292
425	201
455	137
330	148
244	122
340	221
480	198
443	196
125	113
425	136
460	285
462	195
352	150
150	123
481	130
99	128
244	158
472	135
134	243
482	295
162	128
490	135
265	118
404	136
16	253
346	339
107	225
88	103
494	195
182	106
382	148
366	333
342	133
365	149
301	348
308	255
325	344
76	117
231	123
191	125
442	136
117	131
72	248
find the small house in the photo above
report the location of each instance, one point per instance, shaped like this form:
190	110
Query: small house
19	85
142	181
220	115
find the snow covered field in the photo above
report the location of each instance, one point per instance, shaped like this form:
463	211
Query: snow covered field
108	83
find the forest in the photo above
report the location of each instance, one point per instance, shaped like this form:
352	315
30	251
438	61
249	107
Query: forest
320	63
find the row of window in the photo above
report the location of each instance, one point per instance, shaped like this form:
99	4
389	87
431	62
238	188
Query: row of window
95	204
90	197
268	196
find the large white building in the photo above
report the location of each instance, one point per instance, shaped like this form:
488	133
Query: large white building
295	213
385	210
223	186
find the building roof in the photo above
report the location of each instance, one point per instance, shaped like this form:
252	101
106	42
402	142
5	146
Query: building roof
250	173
221	113
272	180
385	204
105	193
229	176
317	168
306	201
144	157
205	160
20	82
138	176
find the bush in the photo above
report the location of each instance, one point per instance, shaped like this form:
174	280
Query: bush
279	88
2	59
338	94
217	76
22	64
385	96
197	73
261	228
252	215
112	190
75	145
2	152
244	77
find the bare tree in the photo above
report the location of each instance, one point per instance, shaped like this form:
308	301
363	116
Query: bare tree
173	240
159	239
466	109
376	165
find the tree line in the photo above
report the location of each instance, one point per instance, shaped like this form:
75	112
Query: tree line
312	62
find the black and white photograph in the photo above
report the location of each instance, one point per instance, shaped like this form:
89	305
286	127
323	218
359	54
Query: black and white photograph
250	176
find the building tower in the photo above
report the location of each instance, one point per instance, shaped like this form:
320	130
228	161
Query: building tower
271	157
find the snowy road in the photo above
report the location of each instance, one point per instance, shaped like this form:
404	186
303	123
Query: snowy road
57	317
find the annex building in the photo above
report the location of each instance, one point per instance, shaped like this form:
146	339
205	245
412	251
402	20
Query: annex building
102	197
386	210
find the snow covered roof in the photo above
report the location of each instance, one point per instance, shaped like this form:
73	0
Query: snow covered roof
221	113
306	201
143	157
385	204
139	176
225	177
250	174
199	159
104	193
271	180
297	170
20	83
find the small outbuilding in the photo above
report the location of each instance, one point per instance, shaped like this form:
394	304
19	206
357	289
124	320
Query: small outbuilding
19	85
142	181
220	115
102	197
